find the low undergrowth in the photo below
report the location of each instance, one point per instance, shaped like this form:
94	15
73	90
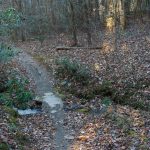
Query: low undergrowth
12	136
73	71
4	146
134	95
14	92
6	54
76	79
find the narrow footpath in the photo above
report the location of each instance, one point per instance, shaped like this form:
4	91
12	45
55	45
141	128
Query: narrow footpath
52	104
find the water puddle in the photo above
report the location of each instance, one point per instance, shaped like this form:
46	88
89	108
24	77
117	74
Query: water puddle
28	111
50	102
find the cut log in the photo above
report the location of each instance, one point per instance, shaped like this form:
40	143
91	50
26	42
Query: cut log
73	48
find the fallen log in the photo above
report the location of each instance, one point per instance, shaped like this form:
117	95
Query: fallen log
73	48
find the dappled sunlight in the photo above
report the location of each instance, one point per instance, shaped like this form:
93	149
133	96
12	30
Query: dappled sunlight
87	134
118	125
110	23
77	146
97	67
116	16
107	47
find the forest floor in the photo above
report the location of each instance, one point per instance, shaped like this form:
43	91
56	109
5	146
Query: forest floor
30	132
118	127
114	127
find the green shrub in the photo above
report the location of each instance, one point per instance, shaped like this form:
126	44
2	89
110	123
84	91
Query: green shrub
15	87
3	79
11	111
128	96
6	53
17	94
4	146
85	94
5	99
106	101
20	94
104	89
140	104
77	81
72	70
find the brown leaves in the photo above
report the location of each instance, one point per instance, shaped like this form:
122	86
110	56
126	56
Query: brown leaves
83	138
121	127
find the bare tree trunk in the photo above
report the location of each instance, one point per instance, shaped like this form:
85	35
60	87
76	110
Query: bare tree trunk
21	29
137	11
14	32
122	18
127	5
97	16
73	24
87	21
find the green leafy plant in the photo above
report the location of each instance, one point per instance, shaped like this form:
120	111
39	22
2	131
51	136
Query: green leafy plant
72	70
5	99
4	146
106	101
3	80
19	92
77	80
6	53
13	88
104	89
10	111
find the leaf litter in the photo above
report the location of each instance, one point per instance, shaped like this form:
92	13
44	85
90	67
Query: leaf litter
118	127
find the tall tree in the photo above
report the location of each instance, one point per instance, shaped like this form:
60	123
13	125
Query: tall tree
73	23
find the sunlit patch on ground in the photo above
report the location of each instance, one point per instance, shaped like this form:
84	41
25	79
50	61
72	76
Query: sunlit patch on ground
107	47
119	128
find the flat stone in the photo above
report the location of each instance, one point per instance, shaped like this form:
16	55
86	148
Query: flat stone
52	102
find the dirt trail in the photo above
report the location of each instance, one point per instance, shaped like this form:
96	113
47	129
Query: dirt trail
44	84
36	72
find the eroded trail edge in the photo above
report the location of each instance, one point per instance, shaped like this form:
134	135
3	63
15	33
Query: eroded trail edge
51	103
